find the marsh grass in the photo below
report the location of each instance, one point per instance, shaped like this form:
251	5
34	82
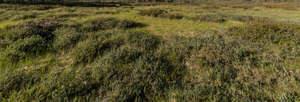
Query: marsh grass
160	13
109	23
126	56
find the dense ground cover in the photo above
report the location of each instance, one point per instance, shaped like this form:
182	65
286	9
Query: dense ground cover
237	52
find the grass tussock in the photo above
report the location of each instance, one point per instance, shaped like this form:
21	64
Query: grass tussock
26	7
286	6
69	58
160	13
67	37
267	31
25	17
222	18
236	71
28	38
109	23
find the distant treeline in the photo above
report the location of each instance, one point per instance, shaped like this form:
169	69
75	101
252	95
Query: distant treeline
131	1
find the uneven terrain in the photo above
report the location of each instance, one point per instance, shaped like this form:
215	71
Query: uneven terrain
206	52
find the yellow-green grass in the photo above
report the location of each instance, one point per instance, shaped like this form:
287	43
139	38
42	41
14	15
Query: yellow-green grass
163	26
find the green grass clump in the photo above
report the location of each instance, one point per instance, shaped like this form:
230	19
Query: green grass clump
65	57
84	53
42	28
246	18
24	17
25	47
160	13
18	80
236	71
66	37
106	42
121	68
27	39
153	12
221	18
210	18
109	23
65	16
267	31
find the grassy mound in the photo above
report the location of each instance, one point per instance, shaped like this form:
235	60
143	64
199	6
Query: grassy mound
29	38
221	18
236	71
25	47
107	59
160	13
130	63
67	37
267	31
109	23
